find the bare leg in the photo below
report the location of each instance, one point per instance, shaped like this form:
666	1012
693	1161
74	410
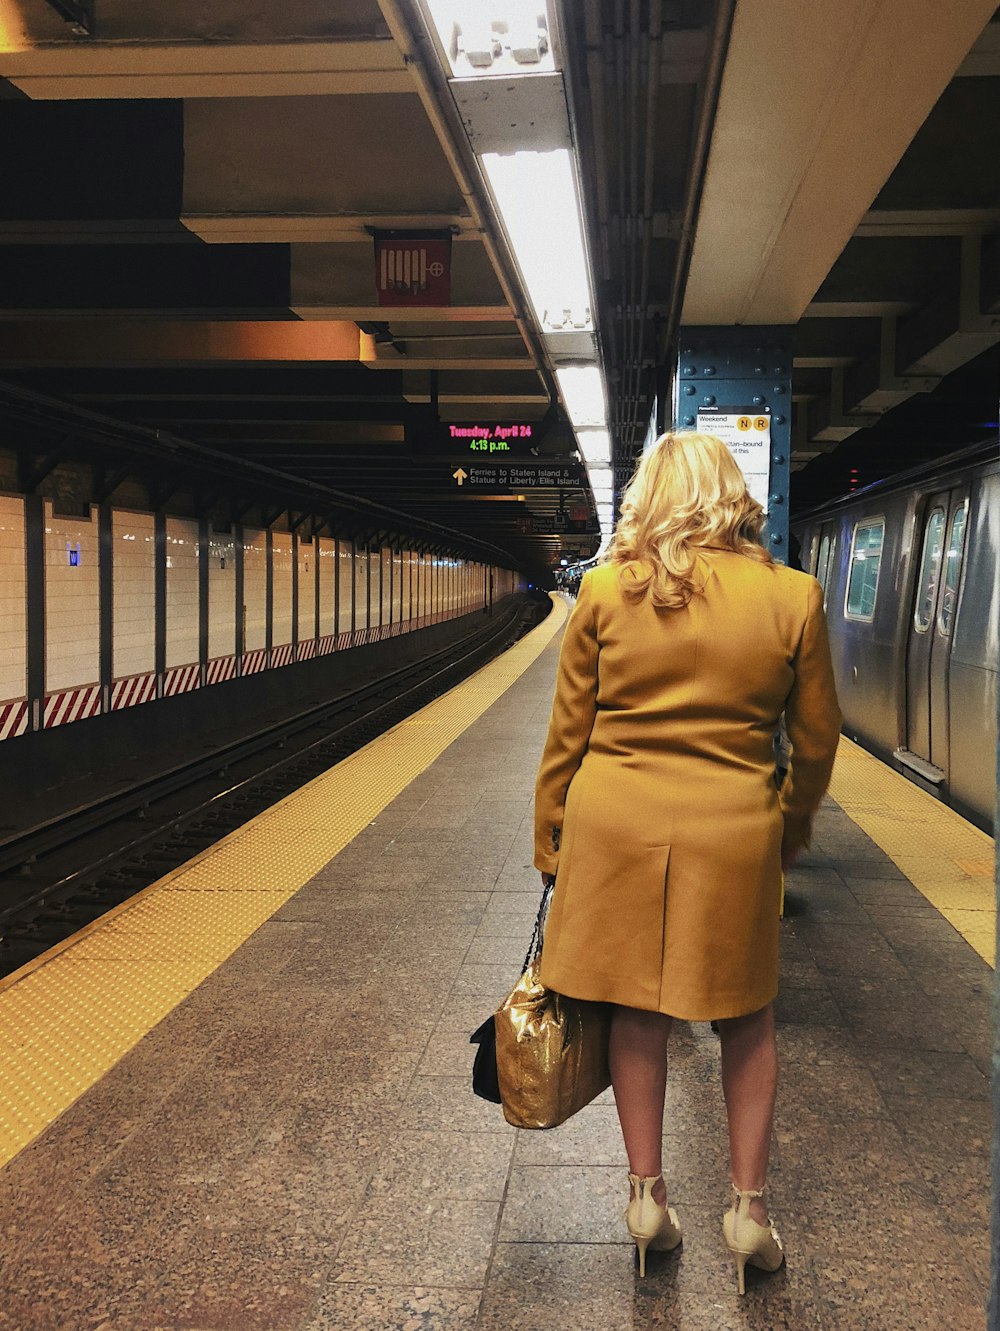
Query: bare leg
749	1083
638	1056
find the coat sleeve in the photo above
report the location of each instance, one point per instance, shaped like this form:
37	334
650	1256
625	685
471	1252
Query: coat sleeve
573	710
812	718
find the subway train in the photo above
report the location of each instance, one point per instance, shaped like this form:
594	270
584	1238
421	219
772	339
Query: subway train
909	569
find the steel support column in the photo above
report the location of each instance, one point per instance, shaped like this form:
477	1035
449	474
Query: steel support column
746	372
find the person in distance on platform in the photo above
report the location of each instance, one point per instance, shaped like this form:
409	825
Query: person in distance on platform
657	808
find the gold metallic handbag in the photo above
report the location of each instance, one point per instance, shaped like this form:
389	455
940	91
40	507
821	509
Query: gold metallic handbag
551	1051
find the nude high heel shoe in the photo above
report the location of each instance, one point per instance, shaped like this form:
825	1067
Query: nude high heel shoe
650	1224
748	1241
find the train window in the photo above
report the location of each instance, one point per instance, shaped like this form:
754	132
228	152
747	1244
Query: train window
930	567
952	568
866	559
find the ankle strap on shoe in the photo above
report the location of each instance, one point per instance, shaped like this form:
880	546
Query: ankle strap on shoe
748	1192
639	1183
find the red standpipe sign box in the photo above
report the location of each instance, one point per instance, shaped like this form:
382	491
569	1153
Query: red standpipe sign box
413	270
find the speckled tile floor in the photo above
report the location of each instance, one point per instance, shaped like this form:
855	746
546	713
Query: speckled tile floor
296	1147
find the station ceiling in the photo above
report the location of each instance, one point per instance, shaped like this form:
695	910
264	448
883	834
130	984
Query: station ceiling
191	195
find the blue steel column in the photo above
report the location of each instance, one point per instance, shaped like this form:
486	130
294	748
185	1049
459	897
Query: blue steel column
748	368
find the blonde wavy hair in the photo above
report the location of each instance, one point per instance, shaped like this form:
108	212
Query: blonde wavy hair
687	493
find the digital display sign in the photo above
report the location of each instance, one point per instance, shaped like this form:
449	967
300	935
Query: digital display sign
504	440
489	438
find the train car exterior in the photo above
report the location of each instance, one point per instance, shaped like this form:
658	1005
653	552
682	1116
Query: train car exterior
909	574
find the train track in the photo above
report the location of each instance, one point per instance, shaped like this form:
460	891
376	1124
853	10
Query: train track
61	874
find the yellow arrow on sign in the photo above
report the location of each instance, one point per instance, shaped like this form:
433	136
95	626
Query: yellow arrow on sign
460	476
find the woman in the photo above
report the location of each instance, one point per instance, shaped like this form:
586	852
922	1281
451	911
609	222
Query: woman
657	801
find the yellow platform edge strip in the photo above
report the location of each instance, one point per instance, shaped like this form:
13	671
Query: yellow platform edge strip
70	1015
947	860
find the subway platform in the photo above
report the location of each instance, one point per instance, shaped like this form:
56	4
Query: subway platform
242	1102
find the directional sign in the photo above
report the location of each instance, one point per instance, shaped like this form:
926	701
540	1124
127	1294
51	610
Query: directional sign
510	477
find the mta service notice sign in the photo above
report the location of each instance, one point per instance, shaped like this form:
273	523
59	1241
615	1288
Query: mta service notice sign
746	432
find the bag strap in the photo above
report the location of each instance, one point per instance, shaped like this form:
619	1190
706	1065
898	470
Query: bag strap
538	933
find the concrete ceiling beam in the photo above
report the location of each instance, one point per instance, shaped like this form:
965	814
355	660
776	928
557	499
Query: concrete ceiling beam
316	228
983	61
916	351
515	388
815	111
313	157
440	314
855	309
387	360
189	70
331	276
148	342
929	222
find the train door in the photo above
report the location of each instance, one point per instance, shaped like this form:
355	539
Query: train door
935	601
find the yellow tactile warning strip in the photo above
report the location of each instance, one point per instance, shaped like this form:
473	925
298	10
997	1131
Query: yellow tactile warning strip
69	1016
947	859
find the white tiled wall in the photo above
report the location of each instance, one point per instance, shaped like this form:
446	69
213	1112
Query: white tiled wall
182	592
306	573
397	587
254	609
254	590
345	575
221	595
422	582
13	591
361	587
407	585
72	602
386	560
133	547
326	554
374	608
283	570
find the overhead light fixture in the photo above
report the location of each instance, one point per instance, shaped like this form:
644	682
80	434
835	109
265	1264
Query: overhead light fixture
493	36
599	475
536	195
582	390
595	447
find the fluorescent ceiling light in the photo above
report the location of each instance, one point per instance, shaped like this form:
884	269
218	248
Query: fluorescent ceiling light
536	195
493	36
595	446
582	389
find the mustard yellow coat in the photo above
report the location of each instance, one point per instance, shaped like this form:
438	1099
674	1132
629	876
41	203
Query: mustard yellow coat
656	798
